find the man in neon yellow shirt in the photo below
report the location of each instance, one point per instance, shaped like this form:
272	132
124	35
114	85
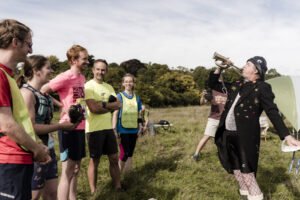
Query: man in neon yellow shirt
101	137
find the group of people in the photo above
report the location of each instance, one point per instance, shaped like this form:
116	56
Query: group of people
28	165
234	122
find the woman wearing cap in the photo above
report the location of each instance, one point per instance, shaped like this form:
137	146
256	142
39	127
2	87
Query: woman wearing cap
238	135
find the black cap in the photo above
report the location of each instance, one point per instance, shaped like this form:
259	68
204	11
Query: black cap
260	64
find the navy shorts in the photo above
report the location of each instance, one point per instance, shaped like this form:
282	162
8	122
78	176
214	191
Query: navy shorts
44	172
102	142
71	145
15	181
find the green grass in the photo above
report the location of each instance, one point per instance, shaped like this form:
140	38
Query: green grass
163	168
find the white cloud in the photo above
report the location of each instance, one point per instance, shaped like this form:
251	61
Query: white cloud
173	32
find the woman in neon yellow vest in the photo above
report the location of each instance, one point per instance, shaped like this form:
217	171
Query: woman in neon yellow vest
37	72
126	121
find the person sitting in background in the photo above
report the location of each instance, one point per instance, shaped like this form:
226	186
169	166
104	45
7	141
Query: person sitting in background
147	123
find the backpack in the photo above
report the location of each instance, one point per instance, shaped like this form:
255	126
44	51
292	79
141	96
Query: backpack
165	124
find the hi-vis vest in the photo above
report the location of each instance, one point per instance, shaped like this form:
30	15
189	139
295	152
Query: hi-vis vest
19	108
129	118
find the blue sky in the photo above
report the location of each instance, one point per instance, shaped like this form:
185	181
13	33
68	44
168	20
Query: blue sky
173	32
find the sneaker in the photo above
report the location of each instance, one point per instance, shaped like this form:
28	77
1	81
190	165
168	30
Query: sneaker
196	157
243	194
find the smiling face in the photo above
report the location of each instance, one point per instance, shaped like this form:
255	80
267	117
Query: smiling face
44	74
82	61
128	83
23	48
99	71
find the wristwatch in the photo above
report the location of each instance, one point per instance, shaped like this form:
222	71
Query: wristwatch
104	105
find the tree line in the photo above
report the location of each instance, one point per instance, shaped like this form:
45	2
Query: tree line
158	85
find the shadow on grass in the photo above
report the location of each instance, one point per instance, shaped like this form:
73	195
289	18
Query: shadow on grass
270	178
142	183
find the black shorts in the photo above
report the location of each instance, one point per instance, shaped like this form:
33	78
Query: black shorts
102	142
15	181
238	156
71	145
127	145
44	172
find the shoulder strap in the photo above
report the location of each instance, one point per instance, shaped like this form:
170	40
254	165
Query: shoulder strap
35	93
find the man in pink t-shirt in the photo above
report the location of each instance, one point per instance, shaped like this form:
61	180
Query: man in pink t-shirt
70	87
16	164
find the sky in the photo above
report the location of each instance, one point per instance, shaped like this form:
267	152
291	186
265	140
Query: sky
174	32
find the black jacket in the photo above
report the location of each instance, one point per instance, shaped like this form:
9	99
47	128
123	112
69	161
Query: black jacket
254	98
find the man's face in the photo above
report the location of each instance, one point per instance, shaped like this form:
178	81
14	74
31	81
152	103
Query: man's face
82	61
99	70
249	71
24	48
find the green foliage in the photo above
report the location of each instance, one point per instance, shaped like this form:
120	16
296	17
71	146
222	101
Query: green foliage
132	66
157	84
114	76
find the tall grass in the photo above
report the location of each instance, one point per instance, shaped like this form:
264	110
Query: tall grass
163	168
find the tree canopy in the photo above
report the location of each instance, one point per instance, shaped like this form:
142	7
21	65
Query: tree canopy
158	85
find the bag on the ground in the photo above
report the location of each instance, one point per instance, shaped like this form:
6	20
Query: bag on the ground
163	122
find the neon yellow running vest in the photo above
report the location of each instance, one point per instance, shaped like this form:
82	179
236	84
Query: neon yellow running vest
19	108
129	112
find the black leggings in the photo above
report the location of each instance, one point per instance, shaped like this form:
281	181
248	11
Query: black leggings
127	145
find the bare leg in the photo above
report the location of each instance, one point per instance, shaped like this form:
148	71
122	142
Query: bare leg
128	165
121	165
93	173
36	194
114	170
73	182
50	189
67	172
201	144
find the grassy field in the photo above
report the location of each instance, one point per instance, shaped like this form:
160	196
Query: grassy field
163	168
